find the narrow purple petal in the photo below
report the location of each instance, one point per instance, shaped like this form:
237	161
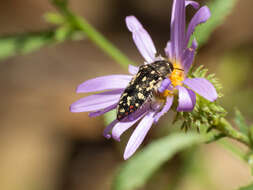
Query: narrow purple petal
108	129
104	83
177	28
165	85
201	16
97	101
126	123
194	4
133	69
193	46
192	95
168	50
203	87
138	135
122	126
103	111
189	55
141	39
186	99
165	109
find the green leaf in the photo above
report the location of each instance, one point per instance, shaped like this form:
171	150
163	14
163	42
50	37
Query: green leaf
251	133
24	43
63	3
248	187
54	18
220	9
240	122
20	44
62	33
250	162
135	172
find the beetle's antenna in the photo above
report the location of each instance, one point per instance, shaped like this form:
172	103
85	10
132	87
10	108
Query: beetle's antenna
179	69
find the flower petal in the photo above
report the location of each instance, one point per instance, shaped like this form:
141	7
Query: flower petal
202	15
108	129
127	122
186	99
104	83
121	127
194	4
133	69
203	87
177	28
168	50
189	56
141	39
96	101
165	85
165	109
139	134
103	111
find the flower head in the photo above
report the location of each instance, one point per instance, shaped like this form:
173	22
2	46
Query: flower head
177	53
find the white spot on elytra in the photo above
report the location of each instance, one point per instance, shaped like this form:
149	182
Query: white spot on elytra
141	96
144	79
128	100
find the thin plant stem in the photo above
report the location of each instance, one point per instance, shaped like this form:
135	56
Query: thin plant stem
225	127
81	24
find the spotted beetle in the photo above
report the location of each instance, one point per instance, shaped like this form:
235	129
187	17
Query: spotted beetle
142	87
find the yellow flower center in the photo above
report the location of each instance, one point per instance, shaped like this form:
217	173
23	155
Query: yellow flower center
177	76
165	94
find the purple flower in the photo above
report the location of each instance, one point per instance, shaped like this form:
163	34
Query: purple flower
177	52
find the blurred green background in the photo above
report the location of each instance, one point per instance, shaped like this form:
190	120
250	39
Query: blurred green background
43	146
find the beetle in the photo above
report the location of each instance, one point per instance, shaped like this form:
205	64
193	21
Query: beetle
143	86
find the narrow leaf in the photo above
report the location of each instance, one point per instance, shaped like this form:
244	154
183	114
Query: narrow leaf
248	187
250	162
240	122
54	18
23	43
62	33
19	44
251	132
135	172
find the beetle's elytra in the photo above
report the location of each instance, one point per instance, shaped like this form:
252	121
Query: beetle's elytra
142	87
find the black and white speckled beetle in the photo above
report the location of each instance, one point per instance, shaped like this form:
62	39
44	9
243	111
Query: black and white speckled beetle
143	86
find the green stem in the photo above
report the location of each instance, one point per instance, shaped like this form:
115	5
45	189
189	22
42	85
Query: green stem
225	127
96	37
